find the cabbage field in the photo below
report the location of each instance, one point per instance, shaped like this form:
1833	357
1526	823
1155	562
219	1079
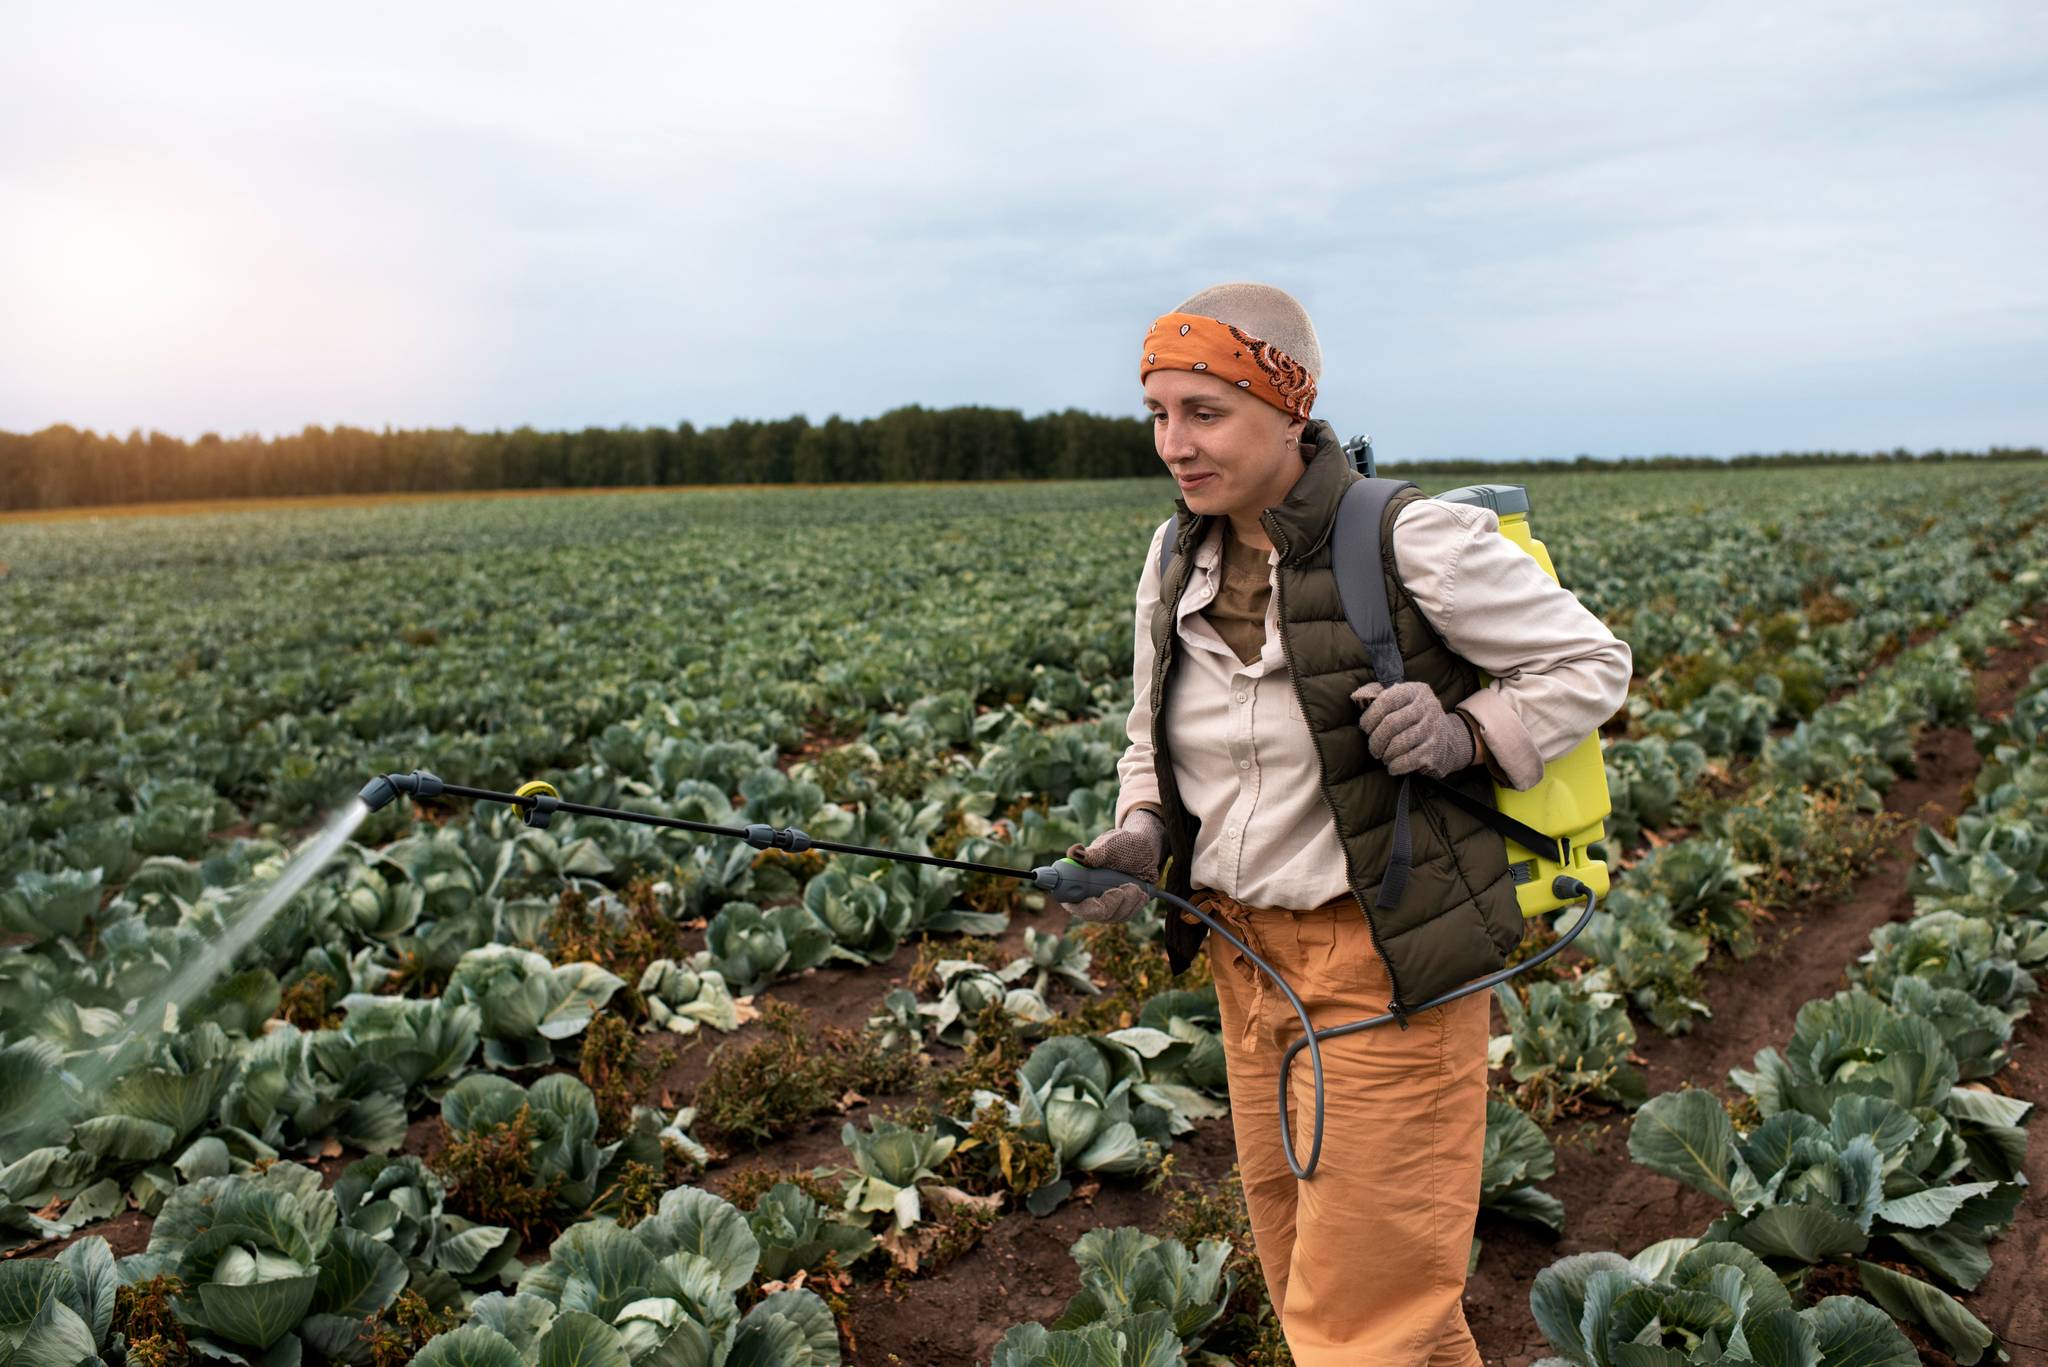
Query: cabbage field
481	1094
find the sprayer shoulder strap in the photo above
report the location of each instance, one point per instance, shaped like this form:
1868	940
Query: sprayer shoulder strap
1356	561
1362	589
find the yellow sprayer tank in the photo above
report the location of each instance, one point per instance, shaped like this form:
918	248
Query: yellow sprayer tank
1570	801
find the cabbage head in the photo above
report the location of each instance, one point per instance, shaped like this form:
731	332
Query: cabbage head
1518	1155
967	988
1949	949
562	1115
528	1004
164	1089
1802	1192
1074	1093
666	1291
680	998
285	1099
750	948
58	1310
892	1160
1146	1340
46	906
1645	955
1686	1301
794	1232
1126	1273
397	1202
263	1259
1567	1040
866	923
427	1043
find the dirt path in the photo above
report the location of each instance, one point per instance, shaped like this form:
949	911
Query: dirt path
1612	1203
1020	1271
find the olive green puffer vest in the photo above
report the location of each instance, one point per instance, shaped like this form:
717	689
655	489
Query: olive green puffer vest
1458	917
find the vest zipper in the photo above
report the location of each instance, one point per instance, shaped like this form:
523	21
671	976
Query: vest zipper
1372	930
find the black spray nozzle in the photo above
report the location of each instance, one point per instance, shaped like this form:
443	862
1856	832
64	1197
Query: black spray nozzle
380	790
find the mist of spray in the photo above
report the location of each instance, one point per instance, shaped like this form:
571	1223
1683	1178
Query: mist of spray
164	1009
191	981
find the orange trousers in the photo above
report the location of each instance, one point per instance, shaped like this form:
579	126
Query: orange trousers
1365	1261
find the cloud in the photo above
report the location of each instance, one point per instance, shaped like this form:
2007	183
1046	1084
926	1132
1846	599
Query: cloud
1607	228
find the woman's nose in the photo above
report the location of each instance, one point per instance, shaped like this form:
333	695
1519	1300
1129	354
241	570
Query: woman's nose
1176	440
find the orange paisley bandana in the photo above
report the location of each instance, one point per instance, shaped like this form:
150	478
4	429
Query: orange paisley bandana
1183	341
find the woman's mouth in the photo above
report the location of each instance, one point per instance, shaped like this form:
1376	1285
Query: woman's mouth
1195	481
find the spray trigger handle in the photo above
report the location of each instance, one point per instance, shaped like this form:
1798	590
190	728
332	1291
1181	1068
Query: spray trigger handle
1068	880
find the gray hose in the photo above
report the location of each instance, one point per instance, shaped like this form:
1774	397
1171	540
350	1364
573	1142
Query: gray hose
1076	881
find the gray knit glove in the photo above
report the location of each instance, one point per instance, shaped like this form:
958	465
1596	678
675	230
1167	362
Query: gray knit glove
1409	731
1136	847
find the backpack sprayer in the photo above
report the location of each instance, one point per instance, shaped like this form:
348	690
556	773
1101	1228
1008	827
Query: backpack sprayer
1547	827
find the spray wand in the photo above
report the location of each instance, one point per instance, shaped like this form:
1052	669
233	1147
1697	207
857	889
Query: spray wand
1064	880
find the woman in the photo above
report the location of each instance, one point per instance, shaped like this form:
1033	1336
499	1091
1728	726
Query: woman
1265	760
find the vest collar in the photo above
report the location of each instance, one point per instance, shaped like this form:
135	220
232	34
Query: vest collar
1301	521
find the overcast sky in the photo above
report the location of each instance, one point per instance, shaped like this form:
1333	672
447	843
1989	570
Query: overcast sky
1522	230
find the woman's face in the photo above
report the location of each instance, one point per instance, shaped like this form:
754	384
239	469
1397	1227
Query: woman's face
1229	452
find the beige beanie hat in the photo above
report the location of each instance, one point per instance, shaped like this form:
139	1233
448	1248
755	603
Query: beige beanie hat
1270	314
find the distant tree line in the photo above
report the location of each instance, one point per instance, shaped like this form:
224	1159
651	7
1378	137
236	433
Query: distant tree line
63	467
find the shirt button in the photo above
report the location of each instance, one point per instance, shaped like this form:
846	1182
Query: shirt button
1244	764
1240	697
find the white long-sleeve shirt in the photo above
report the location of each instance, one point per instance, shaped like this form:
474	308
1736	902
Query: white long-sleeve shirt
1243	758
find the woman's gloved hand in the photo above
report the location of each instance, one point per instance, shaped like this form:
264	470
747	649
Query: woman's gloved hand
1136	847
1409	731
